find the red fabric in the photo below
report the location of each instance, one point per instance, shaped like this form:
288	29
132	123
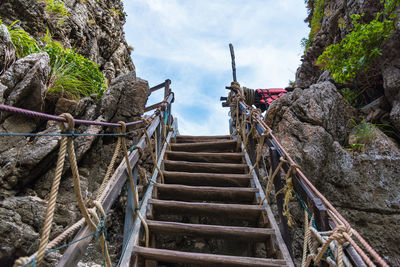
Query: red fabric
270	94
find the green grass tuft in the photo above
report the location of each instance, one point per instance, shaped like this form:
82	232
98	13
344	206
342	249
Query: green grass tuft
362	134
73	75
56	7
24	44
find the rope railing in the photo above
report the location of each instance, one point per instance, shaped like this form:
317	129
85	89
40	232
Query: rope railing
335	233
94	212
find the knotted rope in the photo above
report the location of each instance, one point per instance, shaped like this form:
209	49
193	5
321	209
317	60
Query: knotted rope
132	183
154	157
268	187
66	144
288	192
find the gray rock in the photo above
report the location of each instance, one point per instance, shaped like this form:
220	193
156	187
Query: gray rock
391	80
311	125
125	99
395	115
20	218
26	82
7	51
320	105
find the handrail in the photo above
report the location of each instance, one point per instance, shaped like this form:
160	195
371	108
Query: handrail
161	85
321	206
75	252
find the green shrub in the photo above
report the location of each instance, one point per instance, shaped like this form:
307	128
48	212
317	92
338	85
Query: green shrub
24	44
361	46
73	75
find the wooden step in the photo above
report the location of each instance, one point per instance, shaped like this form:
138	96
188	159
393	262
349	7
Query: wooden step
195	139
173	256
218	146
205	193
187	166
207	179
232	211
211	231
205	157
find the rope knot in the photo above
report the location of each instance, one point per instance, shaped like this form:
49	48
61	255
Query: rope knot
338	233
123	126
70	122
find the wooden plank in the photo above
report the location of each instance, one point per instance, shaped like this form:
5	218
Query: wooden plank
154	106
281	244
205	157
207	179
234	211
203	258
206	193
158	86
193	139
211	231
187	166
134	236
76	251
219	146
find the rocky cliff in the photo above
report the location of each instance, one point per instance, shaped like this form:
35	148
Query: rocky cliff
94	29
349	148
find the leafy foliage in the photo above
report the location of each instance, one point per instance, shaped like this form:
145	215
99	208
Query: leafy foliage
24	44
361	46
305	43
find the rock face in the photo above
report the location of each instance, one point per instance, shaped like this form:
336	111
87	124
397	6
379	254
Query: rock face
314	125
25	82
94	29
7	51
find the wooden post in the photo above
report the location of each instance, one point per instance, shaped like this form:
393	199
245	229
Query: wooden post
279	200
167	90
130	207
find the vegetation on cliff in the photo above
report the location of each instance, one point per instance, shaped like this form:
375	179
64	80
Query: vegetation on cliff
361	46
72	75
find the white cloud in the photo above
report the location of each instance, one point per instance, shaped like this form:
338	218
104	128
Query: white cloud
188	41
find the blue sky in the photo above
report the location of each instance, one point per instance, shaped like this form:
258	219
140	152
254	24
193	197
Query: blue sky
187	41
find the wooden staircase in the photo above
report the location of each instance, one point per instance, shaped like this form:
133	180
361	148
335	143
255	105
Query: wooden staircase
207	212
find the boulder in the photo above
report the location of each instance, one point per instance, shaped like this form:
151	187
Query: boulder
125	99
26	82
18	218
7	51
